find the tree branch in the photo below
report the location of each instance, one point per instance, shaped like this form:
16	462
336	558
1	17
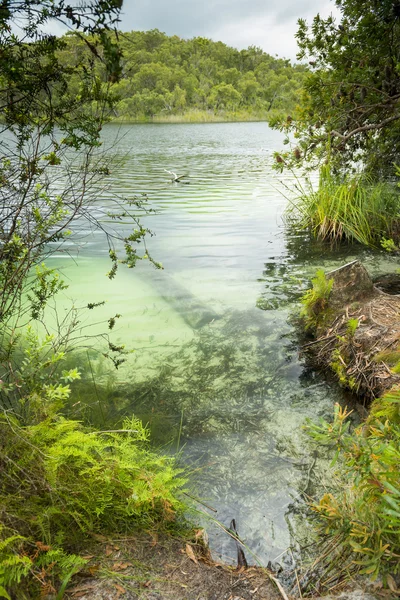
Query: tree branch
369	127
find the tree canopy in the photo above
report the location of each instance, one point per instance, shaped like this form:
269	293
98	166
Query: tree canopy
167	75
350	108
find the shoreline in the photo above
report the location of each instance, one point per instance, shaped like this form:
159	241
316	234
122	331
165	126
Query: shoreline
201	117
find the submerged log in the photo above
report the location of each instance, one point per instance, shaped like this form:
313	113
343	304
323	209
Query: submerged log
359	340
193	311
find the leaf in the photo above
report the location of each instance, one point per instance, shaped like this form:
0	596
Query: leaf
3	593
191	554
99	538
93	570
120	590
120	566
335	458
392	584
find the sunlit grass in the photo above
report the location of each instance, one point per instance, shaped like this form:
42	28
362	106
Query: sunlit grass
199	116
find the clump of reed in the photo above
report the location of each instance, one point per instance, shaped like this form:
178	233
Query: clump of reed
350	207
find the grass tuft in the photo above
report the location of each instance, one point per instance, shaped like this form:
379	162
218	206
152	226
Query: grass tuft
352	207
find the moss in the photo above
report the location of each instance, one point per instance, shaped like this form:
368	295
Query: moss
315	301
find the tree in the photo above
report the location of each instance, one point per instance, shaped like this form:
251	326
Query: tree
50	158
224	95
350	108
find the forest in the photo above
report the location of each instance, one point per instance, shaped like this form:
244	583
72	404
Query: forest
169	78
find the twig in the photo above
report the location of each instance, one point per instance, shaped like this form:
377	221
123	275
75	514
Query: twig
278	585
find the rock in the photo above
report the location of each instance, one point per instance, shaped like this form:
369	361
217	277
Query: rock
351	283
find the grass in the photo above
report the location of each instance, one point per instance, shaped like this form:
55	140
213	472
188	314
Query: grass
315	301
200	116
352	207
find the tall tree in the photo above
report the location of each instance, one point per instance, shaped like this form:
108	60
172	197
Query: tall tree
351	103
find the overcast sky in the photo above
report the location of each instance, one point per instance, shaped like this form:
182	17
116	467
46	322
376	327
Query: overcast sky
270	24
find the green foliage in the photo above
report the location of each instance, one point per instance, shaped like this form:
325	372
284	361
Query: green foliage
363	513
350	107
315	300
389	245
62	481
342	355
391	358
339	365
55	99
350	207
352	325
166	76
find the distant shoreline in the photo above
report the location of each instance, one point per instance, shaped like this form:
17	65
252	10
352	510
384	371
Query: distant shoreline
198	117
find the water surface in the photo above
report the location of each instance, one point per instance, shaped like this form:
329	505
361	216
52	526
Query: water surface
215	366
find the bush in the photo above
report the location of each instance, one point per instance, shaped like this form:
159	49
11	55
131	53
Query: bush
362	518
351	207
61	482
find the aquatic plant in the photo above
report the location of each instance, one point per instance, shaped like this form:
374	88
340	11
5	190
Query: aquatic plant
351	207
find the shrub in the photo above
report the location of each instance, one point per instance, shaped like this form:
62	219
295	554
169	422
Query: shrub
351	207
363	516
62	481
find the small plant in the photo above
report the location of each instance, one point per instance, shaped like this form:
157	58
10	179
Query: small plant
389	245
62	481
352	325
315	300
341	356
363	514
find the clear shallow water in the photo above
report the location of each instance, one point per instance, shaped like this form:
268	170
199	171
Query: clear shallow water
210	367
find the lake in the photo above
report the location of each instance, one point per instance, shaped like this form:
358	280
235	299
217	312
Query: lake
215	369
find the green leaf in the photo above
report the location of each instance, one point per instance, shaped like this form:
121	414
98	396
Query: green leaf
4	594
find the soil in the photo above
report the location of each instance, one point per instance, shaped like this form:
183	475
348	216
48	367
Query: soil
151	568
148	568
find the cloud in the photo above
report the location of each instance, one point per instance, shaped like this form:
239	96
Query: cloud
265	23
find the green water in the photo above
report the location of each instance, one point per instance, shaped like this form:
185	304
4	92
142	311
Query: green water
209	366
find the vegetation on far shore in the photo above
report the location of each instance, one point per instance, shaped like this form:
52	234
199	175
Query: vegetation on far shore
168	79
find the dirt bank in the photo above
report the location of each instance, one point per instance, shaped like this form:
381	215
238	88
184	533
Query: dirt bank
148	568
358	338
153	569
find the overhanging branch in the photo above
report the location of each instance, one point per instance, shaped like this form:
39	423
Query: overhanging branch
369	127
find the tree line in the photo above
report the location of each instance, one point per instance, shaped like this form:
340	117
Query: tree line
165	75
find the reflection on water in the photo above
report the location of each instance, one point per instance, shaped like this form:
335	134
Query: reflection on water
209	366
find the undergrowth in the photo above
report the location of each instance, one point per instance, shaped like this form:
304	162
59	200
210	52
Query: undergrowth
362	518
352	207
62	482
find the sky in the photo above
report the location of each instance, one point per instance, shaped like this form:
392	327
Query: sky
270	24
